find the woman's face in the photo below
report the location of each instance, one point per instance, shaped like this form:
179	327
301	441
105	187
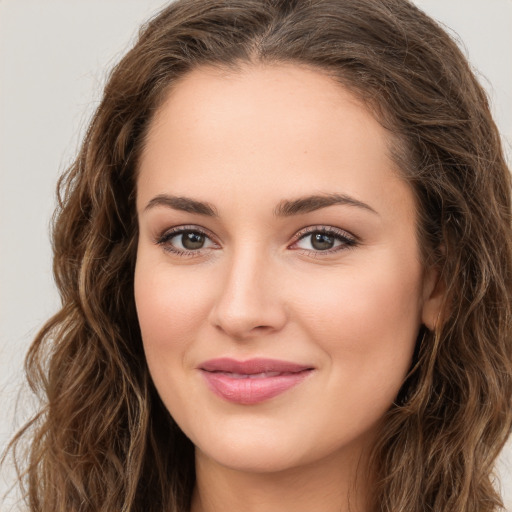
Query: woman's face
278	282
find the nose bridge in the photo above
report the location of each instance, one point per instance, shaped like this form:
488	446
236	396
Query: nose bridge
248	300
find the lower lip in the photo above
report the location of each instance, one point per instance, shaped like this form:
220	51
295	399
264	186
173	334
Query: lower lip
247	391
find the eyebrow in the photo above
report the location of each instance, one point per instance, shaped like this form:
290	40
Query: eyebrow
316	202
286	208
184	204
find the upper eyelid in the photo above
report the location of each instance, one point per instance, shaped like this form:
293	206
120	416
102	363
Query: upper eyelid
325	229
176	230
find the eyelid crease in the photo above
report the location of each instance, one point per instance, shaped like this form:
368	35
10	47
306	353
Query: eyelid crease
177	230
329	230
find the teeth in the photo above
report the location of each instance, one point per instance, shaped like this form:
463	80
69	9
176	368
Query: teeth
261	375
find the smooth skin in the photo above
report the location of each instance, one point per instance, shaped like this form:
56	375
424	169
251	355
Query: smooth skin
234	261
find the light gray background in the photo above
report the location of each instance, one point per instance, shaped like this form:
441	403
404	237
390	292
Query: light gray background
53	59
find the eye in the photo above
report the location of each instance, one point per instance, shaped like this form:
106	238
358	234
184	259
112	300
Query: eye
185	241
324	239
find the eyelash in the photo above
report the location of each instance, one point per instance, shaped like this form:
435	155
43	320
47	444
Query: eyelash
348	241
163	240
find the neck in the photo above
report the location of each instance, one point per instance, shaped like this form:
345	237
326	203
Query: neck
324	485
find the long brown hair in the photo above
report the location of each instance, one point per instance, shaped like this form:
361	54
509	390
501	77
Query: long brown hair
103	441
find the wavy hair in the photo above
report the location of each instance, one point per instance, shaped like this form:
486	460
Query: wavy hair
103	441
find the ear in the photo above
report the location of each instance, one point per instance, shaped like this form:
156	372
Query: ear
434	291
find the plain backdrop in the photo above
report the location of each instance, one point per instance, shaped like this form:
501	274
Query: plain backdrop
54	55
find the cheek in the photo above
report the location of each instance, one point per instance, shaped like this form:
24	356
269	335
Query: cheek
169	309
383	298
366	321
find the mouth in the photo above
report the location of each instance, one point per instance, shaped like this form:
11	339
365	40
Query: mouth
252	381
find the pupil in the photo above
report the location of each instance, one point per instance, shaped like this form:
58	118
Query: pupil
192	240
322	242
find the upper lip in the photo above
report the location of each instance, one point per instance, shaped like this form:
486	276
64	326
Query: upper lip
252	366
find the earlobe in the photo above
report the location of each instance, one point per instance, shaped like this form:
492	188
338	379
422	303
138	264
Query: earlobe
434	289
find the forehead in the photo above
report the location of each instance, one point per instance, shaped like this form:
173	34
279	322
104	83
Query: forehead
263	99
266	132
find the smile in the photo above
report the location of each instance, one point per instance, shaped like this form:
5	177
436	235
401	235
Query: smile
253	381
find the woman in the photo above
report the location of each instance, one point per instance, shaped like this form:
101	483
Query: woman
284	254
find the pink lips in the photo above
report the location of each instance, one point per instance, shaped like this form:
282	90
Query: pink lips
252	381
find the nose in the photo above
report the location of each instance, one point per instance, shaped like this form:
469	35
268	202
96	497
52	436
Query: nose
250	301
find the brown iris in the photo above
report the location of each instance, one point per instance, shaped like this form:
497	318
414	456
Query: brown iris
322	241
192	240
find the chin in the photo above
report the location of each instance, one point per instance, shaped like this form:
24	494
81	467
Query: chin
252	457
261	450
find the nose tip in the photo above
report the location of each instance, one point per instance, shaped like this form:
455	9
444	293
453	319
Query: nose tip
249	303
241	324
